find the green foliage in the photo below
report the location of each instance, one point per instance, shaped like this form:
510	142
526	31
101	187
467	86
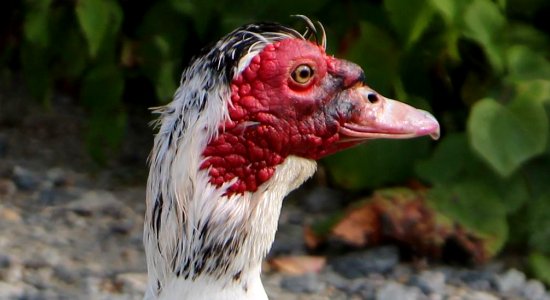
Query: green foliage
481	65
540	264
96	18
36	22
508	136
488	76
354	170
101	92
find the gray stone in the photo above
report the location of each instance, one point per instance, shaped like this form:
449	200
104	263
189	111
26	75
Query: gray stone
476	279
17	290
360	264
308	283
336	280
477	295
363	287
58	177
322	199
401	273
533	290
65	274
393	290
511	281
429	282
25	179
481	285
47	197
289	239
96	201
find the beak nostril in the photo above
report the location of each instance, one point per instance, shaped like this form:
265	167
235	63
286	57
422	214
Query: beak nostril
373	98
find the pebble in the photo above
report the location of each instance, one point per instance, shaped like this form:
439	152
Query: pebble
430	282
478	279
96	201
289	239
308	283
360	264
476	295
322	199
47	197
25	179
58	177
16	290
393	290
66	274
511	281
534	290
86	244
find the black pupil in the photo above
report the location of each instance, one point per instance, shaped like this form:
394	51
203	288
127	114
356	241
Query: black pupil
304	72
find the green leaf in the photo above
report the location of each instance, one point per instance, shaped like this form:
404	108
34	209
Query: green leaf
71	55
451	10
540	265
102	88
536	174
454	161
160	66
506	137
485	23
410	18
535	90
539	223
96	18
380	59
36	22
36	71
525	34
105	132
102	92
525	64
477	207
378	163
185	7
165	84
448	160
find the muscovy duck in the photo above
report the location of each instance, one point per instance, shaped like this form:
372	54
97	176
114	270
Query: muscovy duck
248	121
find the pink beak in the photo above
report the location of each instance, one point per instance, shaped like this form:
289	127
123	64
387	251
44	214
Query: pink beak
380	117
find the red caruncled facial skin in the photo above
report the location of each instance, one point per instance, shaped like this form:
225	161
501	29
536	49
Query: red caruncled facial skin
272	116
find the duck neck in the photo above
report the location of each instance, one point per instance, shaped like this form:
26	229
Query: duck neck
221	240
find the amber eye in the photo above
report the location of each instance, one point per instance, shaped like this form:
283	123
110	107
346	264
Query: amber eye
302	74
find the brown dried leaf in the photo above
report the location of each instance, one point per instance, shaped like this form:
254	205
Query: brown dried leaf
359	227
298	265
311	239
403	216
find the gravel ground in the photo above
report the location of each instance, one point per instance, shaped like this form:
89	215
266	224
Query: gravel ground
69	231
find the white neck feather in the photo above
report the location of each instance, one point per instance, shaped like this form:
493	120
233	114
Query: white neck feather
194	235
248	221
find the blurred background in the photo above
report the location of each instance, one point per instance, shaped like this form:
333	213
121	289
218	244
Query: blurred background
481	67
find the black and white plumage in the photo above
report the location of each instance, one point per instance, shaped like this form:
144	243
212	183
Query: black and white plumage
206	238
